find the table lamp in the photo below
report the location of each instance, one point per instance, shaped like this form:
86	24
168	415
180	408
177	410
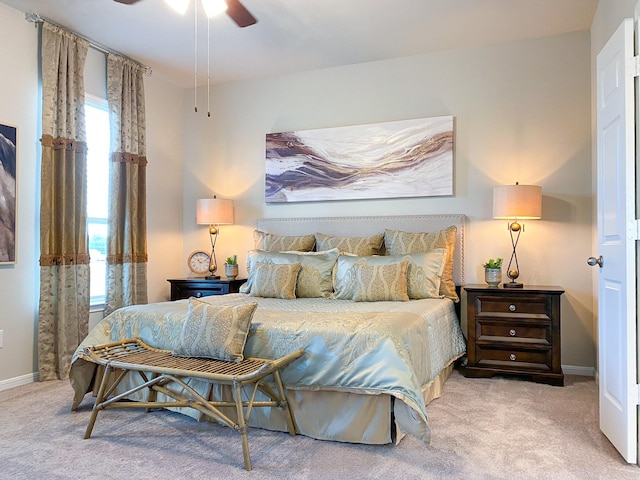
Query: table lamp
516	203
214	212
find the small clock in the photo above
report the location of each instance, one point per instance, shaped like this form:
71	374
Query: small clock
198	262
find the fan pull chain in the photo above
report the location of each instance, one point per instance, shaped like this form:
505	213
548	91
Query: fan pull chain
195	57
208	67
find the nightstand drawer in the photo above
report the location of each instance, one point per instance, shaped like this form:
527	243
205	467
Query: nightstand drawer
203	292
537	306
200	287
513	331
489	356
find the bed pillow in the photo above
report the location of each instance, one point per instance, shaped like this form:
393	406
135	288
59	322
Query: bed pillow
424	273
354	245
315	278
402	243
274	281
343	278
215	331
316	273
270	242
378	283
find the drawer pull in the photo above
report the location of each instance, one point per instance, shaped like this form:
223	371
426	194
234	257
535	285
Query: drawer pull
512	357
512	332
512	308
198	294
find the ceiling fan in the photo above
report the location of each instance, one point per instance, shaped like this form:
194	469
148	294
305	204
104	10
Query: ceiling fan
235	10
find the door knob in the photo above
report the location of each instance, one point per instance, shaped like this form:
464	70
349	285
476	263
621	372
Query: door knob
593	261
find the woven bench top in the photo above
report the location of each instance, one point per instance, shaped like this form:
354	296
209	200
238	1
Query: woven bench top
133	354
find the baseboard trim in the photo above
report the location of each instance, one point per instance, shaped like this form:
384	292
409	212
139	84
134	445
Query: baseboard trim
576	370
18	381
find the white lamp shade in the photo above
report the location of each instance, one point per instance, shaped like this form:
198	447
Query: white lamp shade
214	7
179	6
517	201
214	211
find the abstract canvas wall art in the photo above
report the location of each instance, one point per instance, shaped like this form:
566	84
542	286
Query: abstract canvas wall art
407	158
8	139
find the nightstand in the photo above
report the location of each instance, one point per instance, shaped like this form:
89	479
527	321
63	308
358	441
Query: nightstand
514	331
201	287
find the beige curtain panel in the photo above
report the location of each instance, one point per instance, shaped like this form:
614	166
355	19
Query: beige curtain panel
64	257
127	232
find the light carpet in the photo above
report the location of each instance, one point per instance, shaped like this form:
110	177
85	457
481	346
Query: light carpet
481	429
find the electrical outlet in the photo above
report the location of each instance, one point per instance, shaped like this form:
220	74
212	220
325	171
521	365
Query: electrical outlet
1	338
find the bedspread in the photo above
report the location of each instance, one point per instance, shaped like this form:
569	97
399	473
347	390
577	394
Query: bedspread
367	348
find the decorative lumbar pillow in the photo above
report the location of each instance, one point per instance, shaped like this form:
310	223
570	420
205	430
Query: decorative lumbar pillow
403	243
215	331
270	242
378	283
274	281
424	273
361	246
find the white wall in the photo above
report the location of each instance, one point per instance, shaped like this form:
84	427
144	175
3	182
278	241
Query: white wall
522	114
19	284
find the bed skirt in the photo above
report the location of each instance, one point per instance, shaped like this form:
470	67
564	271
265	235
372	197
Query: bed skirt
326	414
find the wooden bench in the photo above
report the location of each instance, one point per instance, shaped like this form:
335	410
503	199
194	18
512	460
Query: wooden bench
159	368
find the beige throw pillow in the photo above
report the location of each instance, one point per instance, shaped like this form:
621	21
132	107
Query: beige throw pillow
270	242
353	245
274	281
378	283
315	278
403	243
215	331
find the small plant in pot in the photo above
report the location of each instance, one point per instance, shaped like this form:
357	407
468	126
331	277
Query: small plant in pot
493	272
231	267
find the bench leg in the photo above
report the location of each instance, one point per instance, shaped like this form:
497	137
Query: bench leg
242	427
99	397
285	403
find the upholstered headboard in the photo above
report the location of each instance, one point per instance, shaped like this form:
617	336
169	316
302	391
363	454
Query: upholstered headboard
365	226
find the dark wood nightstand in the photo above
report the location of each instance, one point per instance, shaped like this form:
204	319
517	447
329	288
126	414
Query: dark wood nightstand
201	287
514	331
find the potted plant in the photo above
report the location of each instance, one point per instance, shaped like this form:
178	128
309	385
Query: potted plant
493	272
231	267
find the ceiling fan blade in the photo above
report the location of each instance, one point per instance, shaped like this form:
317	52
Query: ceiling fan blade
238	13
127	2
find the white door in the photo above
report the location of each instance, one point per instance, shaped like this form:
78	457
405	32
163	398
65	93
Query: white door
617	230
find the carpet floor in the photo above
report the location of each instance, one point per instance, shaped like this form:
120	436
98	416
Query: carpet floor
490	429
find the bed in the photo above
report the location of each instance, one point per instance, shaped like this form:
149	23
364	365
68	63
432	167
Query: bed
375	356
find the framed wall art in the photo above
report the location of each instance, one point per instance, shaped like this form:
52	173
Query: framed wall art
407	158
8	160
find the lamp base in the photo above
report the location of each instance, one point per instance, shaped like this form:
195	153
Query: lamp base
512	285
212	277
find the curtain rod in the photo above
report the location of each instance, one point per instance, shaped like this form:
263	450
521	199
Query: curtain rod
35	18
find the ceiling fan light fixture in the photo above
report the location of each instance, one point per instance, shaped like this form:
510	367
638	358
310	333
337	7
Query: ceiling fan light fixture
179	6
214	7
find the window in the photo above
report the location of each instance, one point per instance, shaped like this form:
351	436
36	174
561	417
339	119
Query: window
98	137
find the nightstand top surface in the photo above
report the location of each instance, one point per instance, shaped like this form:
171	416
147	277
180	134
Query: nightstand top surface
483	287
207	279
